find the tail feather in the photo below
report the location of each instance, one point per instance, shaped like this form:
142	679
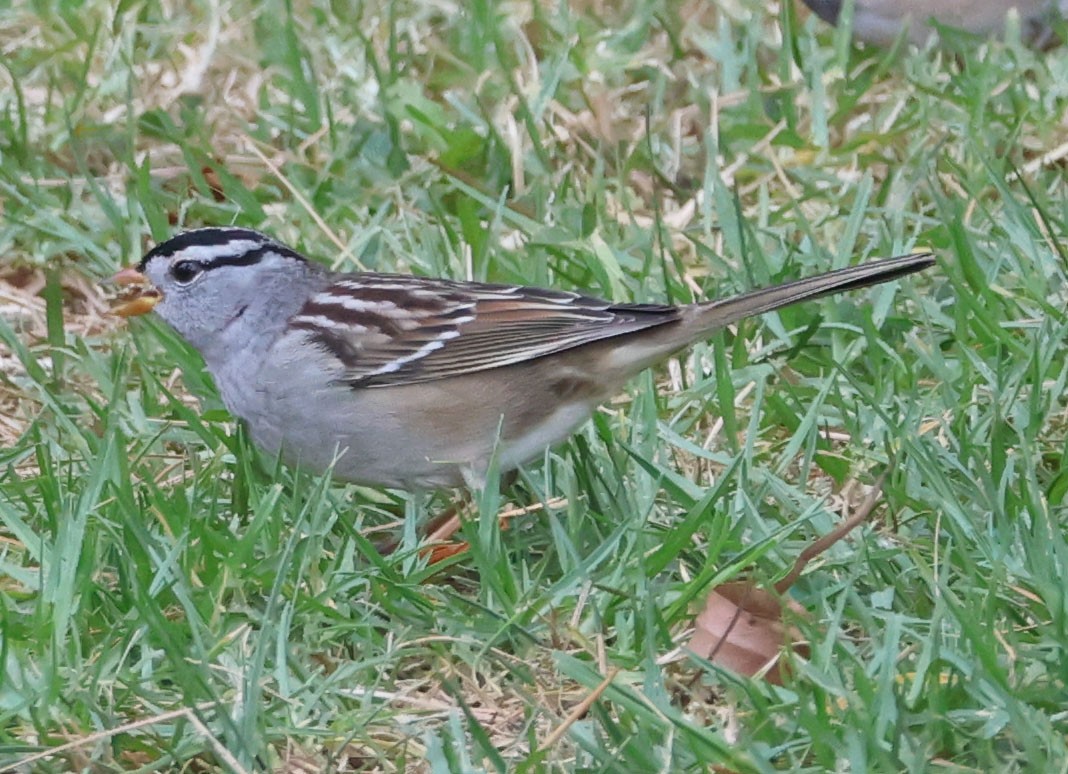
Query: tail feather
712	315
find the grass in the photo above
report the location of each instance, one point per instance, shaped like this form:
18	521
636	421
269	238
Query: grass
171	600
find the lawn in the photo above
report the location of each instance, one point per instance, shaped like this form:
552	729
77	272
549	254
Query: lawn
170	599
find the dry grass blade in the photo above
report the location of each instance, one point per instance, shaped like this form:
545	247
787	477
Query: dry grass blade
164	717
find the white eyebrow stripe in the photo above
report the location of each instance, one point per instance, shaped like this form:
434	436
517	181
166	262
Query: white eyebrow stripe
214	252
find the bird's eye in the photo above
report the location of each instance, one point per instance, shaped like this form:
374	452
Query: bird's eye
185	272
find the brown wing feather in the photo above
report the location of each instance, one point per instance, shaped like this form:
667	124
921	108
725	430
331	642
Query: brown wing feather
390	330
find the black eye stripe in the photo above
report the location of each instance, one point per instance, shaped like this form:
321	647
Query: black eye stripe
246	258
251	257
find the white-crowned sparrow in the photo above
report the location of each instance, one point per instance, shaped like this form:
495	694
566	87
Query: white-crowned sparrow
881	21
409	382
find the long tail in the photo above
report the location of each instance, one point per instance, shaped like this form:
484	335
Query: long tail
712	315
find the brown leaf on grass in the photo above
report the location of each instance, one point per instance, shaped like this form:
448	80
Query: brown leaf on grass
742	626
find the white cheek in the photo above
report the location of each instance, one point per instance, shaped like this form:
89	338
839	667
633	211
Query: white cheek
185	316
164	307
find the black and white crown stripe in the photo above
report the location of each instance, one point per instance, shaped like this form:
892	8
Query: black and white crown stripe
214	247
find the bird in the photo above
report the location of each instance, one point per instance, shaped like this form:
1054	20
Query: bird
881	21
414	383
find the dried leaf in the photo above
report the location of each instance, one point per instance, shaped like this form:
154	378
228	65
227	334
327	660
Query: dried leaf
741	628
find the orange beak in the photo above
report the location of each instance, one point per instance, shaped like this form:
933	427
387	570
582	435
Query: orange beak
142	296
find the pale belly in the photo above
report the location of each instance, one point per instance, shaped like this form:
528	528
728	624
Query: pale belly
430	435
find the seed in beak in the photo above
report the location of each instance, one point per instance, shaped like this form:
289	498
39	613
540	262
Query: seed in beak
142	296
137	305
